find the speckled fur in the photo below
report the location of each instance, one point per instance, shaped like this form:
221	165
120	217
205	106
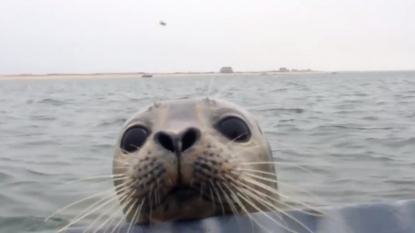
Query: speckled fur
151	172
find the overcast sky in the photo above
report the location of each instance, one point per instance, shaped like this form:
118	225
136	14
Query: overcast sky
84	36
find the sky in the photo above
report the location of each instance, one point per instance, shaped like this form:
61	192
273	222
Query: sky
94	36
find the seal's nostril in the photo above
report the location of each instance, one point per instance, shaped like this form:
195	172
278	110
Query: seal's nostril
189	138
177	143
165	140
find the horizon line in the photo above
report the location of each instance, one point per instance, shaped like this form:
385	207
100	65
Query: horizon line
201	72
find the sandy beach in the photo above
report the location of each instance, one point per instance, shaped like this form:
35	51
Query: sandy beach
139	75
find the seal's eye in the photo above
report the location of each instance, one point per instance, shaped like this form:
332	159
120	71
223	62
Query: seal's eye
133	139
234	129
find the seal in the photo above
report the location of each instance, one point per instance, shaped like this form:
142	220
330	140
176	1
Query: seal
190	159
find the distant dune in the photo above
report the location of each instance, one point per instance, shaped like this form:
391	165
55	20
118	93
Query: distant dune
139	74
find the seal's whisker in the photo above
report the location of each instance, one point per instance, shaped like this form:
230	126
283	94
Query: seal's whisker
230	203
317	213
137	211
308	164
116	204
122	206
91	185
151	204
126	166
114	159
246	187
114	198
126	214
140	208
119	177
111	218
105	212
280	182
77	202
124	185
119	160
273	190
97	203
258	171
242	206
129	153
233	140
157	192
111	198
273	180
265	202
251	203
136	147
210	86
280	163
249	191
237	185
219	198
201	188
212	196
243	150
94	204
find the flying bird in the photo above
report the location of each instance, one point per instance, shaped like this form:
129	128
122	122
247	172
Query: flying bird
162	23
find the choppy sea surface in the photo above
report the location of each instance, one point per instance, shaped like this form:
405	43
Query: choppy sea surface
341	138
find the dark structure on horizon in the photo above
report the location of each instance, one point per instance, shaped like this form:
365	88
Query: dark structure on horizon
226	70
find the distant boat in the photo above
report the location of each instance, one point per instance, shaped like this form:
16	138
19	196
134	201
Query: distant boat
147	76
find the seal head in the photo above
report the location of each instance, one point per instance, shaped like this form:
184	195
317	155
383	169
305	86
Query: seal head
186	159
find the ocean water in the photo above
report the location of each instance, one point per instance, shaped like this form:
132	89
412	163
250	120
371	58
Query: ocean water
341	139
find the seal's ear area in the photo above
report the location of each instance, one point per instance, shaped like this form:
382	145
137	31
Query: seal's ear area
134	138
234	129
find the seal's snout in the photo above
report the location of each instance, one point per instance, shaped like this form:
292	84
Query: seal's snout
178	143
